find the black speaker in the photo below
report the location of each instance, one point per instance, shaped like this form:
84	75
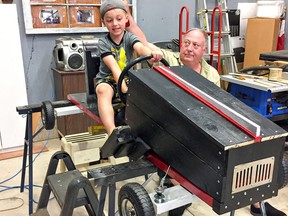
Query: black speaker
69	54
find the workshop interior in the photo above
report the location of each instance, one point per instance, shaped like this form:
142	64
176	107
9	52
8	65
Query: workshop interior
182	145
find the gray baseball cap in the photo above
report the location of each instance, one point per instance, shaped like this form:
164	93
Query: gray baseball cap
110	5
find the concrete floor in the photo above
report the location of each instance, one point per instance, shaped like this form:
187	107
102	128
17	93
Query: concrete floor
12	202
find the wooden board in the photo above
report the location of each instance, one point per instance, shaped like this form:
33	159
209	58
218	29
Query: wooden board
19	153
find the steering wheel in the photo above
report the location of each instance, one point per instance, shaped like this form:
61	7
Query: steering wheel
123	96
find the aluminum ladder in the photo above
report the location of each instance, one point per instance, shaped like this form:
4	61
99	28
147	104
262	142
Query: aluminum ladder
222	34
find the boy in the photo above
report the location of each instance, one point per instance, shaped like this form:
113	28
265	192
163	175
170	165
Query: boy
116	50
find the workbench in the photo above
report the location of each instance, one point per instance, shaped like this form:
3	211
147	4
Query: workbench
269	98
279	55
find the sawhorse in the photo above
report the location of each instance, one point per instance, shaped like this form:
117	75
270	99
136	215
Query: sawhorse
28	143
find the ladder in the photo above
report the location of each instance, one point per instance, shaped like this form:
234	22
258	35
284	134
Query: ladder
222	35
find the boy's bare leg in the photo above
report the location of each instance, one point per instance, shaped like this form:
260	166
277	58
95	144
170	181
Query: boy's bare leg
106	112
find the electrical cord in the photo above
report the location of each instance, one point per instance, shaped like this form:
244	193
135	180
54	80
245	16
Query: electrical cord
15	187
12	199
40	151
25	186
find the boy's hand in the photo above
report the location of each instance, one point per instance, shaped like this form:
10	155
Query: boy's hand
157	55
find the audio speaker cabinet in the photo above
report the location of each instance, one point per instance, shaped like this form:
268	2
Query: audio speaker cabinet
69	82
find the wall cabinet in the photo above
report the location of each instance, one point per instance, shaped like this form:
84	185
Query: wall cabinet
69	82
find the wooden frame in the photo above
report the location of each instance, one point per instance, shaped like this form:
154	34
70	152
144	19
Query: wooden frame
65	16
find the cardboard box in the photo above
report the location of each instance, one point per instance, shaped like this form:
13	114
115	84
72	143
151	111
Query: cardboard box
261	37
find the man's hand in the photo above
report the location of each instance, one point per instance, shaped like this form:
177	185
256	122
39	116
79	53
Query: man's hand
157	55
128	12
127	6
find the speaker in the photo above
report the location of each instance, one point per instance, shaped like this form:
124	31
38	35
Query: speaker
69	54
91	69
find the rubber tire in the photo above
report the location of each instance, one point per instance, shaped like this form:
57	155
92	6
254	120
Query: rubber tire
283	175
47	115
138	197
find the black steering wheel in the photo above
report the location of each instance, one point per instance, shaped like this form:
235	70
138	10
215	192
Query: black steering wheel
122	95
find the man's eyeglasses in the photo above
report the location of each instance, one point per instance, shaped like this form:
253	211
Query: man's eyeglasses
195	45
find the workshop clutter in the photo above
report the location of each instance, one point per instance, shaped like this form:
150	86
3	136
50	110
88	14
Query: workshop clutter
275	74
274	9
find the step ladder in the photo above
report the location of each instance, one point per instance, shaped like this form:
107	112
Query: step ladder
222	35
71	189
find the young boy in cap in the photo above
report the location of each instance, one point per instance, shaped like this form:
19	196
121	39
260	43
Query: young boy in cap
116	50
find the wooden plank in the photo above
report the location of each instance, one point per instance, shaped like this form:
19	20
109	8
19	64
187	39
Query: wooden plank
19	153
217	106
36	117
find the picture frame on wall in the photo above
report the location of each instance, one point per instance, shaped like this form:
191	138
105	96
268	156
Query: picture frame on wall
65	16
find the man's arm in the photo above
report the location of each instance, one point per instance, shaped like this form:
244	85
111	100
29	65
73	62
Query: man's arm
142	50
135	29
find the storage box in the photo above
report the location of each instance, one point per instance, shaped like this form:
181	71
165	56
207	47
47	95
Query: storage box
270	9
83	147
261	37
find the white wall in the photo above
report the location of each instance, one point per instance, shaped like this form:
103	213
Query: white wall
12	82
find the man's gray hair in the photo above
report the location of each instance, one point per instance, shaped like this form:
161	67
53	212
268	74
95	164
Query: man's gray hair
199	30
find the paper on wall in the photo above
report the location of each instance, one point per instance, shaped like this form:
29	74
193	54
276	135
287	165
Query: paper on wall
247	10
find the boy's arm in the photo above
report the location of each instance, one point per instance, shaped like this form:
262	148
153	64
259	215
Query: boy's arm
142	50
111	63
